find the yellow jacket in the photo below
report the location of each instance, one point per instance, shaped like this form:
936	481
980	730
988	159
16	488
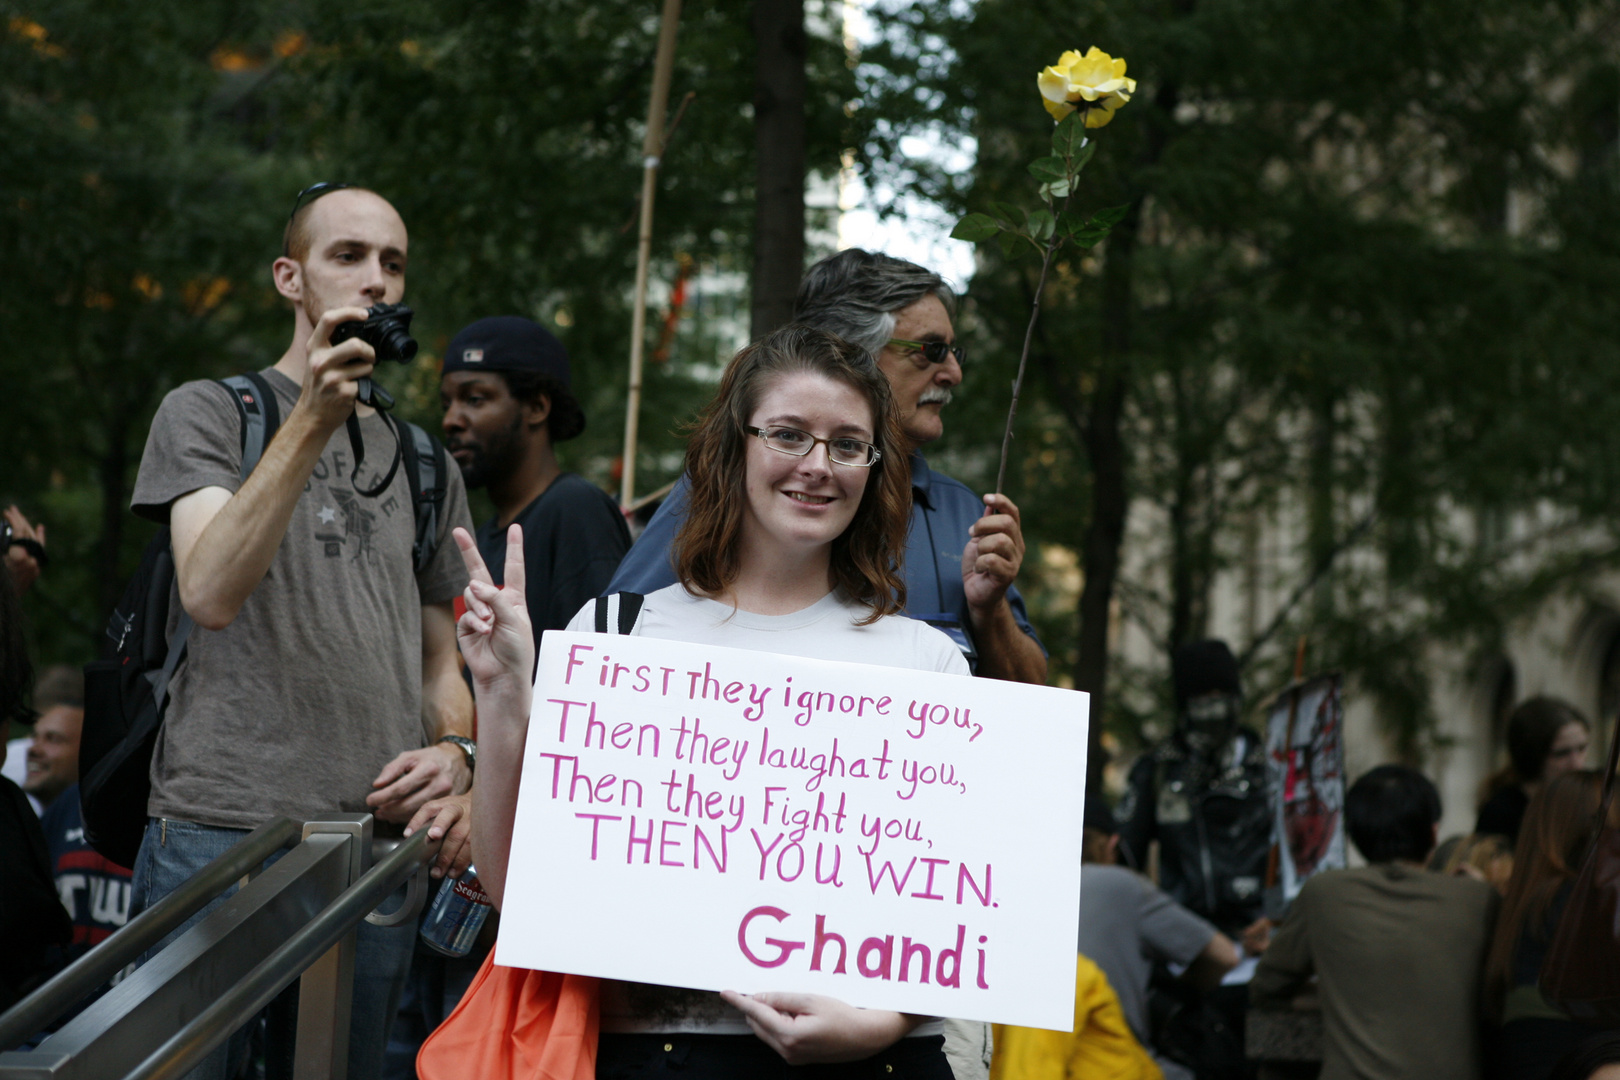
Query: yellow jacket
1101	1048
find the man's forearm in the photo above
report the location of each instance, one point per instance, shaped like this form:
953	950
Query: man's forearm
222	552
447	707
1286	967
1210	966
1005	651
447	704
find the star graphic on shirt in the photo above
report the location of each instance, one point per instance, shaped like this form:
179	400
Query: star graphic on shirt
327	515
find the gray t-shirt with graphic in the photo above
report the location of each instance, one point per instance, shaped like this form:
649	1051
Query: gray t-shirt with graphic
1126	923
296	706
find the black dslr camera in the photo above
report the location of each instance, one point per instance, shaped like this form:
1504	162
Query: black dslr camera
387	329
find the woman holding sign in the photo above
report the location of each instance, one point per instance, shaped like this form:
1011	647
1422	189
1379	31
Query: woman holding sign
792	544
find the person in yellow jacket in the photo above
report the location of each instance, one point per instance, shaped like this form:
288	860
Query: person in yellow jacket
1101	1047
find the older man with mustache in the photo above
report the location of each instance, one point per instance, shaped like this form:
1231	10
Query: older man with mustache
964	552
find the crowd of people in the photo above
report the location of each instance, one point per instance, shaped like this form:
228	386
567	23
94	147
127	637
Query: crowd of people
331	669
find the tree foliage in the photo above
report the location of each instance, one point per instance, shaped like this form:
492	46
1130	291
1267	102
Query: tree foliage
153	154
1362	299
1357	302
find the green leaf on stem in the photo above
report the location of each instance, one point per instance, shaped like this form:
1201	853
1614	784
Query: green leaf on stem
1092	232
1069	135
1012	216
1049	170
975	228
1058	190
1041	224
1083	158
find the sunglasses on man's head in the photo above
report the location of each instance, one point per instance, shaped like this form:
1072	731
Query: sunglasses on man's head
313	192
934	352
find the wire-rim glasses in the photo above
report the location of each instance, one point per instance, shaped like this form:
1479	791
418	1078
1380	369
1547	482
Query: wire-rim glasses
841	449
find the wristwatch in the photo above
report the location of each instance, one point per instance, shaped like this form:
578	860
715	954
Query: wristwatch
466	746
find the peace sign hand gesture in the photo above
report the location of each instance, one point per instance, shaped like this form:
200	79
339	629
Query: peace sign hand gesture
494	633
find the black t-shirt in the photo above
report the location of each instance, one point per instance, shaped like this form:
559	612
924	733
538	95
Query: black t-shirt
36	922
1503	813
573	539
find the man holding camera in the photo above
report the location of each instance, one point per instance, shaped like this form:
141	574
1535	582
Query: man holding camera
321	655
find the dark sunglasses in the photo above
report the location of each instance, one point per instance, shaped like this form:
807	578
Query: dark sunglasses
309	195
934	352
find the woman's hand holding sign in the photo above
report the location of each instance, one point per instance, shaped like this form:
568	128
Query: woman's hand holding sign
498	644
809	1029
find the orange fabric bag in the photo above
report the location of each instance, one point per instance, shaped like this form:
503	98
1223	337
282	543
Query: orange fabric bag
517	1024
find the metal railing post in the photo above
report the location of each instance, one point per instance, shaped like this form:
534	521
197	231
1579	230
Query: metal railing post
298	916
243	1000
326	990
127	943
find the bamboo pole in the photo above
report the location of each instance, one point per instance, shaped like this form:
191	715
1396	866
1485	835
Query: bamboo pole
652	150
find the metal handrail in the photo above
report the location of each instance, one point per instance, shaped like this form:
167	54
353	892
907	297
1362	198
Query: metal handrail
126	945
214	1024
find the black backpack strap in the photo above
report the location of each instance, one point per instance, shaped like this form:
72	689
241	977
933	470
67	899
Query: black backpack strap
428	478
261	415
629	612
177	652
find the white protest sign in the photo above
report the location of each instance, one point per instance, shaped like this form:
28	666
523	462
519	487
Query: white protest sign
715	818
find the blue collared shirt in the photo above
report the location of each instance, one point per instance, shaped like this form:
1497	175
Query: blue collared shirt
942	512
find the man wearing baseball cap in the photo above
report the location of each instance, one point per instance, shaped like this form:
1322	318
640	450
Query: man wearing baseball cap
507	402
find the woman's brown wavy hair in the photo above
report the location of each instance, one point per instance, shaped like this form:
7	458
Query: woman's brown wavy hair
867	556
1558	830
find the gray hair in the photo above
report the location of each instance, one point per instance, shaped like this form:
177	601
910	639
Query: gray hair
855	294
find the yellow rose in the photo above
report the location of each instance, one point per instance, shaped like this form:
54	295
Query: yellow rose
1095	82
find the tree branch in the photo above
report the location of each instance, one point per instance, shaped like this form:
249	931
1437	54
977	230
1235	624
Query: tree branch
1323	565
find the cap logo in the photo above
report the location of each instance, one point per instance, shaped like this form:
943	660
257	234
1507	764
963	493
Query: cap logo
472	356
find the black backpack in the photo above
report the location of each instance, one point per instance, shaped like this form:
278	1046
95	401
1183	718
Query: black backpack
127	690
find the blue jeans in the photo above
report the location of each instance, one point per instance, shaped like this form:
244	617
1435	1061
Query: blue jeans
172	851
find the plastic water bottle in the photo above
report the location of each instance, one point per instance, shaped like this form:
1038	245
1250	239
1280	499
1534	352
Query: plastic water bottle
457	914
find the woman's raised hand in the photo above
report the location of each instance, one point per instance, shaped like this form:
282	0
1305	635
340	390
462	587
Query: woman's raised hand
494	633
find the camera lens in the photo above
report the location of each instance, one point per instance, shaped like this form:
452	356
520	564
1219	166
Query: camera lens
401	346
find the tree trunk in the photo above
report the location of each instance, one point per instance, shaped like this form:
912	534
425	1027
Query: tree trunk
1105	445
1181	525
779	91
1321	530
1106	448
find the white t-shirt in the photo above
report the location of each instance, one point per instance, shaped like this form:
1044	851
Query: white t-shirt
826	630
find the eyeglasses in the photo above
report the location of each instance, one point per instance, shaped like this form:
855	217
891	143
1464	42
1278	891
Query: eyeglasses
796	443
310	194
934	352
